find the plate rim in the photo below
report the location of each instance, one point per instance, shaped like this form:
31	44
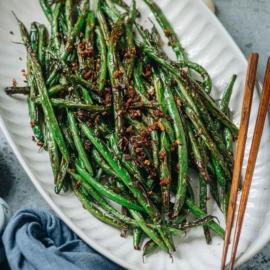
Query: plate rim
243	258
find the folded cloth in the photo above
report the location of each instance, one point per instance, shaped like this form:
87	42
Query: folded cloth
36	239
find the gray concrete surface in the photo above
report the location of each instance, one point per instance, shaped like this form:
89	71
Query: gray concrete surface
248	23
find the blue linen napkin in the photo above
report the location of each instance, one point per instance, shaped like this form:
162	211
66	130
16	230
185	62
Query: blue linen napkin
36	239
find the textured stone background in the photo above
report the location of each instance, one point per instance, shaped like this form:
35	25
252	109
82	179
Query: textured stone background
248	23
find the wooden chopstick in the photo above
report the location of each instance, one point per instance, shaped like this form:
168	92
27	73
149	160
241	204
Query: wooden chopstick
263	108
244	121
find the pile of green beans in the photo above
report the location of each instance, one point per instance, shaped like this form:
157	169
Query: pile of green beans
122	121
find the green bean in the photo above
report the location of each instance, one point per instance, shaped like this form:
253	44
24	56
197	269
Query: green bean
34	37
203	206
102	202
64	103
226	199
207	140
114	14
96	212
61	176
138	117
68	15
81	60
200	214
123	5
211	127
55	26
224	103
181	145
103	56
207	82
174	230
62	65
102	22
190	190
79	10
141	105
32	108
76	31
143	34
196	223
212	107
53	150
139	84
139	89
47	66
218	171
118	187
56	89
211	170
65	184
149	247
100	161
86	96
42	40
89	28
155	35
110	14
83	82
46	104
11	90
147	230
136	189
155	142
63	30
117	95
200	163
137	236
26	90
167	28
124	212
66	132
165	174
228	139
127	164
89	37
185	96
180	218
34	121
105	191
159	89
96	97
104	129
23	31
99	174
132	14
172	67
46	9
78	143
137	125
130	48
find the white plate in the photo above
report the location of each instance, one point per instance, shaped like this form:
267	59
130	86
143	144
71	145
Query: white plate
207	43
